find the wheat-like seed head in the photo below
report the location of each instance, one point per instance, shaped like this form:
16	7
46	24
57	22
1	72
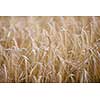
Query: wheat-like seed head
49	49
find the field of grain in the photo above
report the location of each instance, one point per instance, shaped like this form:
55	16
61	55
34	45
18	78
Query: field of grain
49	49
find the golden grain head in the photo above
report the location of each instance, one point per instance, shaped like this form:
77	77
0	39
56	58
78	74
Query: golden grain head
50	49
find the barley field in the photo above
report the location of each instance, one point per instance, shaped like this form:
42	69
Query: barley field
49	49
